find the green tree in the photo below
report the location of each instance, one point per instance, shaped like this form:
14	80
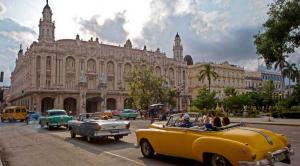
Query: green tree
205	99
208	72
291	72
267	94
280	35
145	88
230	91
170	97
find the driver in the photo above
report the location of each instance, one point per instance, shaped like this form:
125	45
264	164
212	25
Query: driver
186	121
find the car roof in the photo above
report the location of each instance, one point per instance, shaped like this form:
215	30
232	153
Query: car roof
55	110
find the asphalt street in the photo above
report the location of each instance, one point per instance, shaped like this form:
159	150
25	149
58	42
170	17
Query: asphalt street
22	144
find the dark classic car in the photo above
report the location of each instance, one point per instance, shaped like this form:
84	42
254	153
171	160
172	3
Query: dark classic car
92	126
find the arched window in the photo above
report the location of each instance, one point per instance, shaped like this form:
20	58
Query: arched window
91	66
48	62
158	70
111	75
70	64
127	69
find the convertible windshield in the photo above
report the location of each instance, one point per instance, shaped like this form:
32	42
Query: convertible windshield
54	113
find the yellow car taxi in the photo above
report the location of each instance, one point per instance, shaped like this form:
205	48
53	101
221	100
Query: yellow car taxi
234	144
14	113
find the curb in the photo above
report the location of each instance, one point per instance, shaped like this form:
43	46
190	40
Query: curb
269	123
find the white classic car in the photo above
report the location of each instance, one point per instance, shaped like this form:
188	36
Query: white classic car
92	126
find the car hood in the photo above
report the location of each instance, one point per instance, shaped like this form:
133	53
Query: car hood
259	139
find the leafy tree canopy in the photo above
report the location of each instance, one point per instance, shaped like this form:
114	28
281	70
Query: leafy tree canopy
205	99
281	33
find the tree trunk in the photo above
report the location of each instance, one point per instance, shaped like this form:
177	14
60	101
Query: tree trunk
282	84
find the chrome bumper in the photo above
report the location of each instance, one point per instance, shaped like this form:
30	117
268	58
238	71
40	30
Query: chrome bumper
111	132
282	155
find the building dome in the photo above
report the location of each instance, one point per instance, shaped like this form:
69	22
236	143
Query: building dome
189	60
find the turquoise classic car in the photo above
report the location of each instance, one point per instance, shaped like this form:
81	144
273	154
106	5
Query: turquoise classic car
55	118
128	114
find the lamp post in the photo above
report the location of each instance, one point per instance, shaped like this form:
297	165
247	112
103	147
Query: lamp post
102	86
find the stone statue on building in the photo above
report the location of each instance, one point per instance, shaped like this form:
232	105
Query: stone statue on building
82	78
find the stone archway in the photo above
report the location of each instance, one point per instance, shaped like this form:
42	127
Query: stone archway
47	103
111	104
93	104
70	105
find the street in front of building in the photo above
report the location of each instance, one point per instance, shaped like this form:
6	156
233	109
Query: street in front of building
23	144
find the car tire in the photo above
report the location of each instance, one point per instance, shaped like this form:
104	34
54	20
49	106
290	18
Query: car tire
117	138
49	127
73	134
134	118
216	160
146	149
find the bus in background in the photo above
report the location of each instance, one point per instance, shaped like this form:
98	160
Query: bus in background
12	113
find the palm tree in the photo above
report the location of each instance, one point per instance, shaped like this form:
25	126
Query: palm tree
207	72
291	71
281	63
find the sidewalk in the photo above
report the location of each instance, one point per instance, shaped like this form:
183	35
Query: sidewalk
266	120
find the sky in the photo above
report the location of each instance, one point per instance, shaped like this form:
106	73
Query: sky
210	30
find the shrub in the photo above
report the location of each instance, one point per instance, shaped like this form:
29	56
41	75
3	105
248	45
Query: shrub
295	108
291	115
194	109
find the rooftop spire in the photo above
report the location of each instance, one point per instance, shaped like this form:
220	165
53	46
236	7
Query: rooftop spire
47	2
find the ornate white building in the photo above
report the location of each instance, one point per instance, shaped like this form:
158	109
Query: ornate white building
86	76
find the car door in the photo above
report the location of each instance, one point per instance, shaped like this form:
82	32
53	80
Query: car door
173	141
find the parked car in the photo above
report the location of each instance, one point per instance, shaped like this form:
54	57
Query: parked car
92	126
116	113
54	118
12	113
128	114
233	144
32	115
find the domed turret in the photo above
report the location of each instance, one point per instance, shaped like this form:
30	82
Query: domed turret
189	60
128	44
46	26
177	48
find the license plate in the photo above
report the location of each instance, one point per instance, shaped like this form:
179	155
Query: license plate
114	131
280	156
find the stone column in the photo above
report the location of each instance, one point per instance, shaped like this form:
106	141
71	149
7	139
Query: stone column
82	97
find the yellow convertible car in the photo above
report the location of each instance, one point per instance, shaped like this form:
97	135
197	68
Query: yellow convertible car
233	144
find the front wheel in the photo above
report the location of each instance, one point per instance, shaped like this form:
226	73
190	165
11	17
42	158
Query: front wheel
216	160
147	149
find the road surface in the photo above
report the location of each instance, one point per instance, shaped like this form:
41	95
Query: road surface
21	144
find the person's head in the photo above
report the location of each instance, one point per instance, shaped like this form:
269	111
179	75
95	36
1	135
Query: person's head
217	122
209	114
186	117
225	121
205	119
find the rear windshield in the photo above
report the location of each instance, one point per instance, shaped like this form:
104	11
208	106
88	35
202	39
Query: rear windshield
53	113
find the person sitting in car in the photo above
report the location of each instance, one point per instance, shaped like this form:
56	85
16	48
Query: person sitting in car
186	121
225	121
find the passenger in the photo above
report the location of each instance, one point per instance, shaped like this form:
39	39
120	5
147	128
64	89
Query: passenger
206	122
210	116
217	122
186	121
225	121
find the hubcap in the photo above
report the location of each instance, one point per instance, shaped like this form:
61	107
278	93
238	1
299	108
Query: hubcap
146	148
218	160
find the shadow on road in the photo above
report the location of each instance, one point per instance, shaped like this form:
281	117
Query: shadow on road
169	160
100	145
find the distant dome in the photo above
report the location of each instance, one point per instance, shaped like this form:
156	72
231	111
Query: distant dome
188	59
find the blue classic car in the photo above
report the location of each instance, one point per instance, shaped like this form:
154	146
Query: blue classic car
32	115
